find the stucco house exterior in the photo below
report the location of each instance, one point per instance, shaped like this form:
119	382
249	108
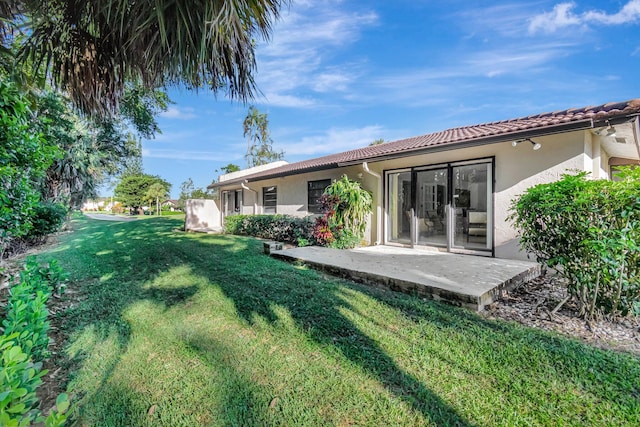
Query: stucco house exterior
449	190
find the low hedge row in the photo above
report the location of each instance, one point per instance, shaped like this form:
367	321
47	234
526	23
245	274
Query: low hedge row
283	228
24	345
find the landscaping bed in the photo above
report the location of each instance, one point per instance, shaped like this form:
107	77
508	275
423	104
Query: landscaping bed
532	304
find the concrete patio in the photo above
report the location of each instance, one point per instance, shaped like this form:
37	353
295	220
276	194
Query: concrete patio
464	280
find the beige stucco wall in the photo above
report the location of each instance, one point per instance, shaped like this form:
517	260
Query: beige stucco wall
292	193
201	214
516	169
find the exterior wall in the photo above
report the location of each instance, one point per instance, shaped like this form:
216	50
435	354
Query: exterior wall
516	169
201	214
292	193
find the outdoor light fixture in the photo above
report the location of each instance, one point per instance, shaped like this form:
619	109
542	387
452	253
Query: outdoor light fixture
607	131
536	145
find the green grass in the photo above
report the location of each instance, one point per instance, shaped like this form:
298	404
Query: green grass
205	330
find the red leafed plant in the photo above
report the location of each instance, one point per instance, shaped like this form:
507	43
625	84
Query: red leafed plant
322	232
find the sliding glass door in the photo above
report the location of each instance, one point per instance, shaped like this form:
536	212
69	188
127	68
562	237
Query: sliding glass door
472	206
448	206
432	198
399	207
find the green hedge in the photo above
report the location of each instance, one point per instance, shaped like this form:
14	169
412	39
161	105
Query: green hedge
24	345
589	231
282	228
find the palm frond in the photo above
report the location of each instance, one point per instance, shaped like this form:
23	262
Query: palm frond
93	48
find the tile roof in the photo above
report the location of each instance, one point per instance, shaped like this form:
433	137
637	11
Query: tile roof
487	133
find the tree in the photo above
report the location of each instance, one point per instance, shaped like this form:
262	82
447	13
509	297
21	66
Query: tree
377	142
259	142
200	193
92	49
132	190
157	191
229	168
24	158
186	189
91	151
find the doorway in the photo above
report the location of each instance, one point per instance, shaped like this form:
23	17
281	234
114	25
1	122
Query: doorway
447	206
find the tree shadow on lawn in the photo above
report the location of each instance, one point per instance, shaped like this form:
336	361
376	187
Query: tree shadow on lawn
255	283
252	288
577	364
317	308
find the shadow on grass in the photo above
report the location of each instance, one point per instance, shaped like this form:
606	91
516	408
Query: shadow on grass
143	250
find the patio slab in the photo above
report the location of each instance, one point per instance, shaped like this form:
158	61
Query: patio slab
464	280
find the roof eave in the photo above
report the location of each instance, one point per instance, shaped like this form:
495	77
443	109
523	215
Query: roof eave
272	176
475	142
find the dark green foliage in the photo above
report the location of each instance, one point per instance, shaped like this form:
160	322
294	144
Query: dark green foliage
282	228
48	218
19	379
140	106
229	168
24	341
24	157
588	230
93	50
132	190
346	206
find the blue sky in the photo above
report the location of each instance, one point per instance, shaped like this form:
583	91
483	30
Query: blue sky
338	74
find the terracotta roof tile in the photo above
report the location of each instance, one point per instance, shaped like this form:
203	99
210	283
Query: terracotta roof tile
475	134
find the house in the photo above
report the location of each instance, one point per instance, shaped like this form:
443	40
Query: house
452	189
171	204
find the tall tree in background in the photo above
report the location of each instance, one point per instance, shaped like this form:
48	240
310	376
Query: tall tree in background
91	50
132	190
259	142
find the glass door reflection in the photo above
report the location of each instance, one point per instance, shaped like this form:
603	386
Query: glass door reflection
432	198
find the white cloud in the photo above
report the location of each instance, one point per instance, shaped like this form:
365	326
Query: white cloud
629	13
186	113
293	66
436	85
164	153
562	16
333	141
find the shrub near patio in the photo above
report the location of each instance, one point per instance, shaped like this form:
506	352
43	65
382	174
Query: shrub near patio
194	329
589	231
345	205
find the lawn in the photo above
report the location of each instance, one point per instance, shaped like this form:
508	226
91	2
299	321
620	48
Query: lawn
192	329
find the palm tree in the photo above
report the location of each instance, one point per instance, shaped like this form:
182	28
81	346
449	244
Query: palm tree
156	191
92	49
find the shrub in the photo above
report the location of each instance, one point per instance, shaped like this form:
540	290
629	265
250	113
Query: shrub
47	219
346	206
283	228
589	231
351	205
23	341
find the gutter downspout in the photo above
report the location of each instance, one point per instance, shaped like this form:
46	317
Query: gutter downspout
636	134
255	204
365	167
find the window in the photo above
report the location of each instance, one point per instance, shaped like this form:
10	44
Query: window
237	207
269	199
315	189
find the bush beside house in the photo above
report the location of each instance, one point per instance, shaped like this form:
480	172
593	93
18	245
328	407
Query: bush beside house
589	231
345	204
